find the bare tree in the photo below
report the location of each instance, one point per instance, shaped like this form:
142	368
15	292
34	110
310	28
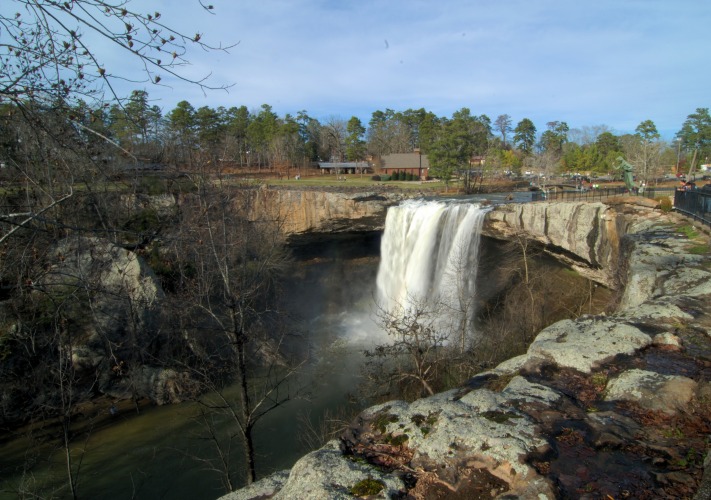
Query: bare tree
51	69
48	56
229	262
333	138
54	147
503	126
644	151
587	134
410	363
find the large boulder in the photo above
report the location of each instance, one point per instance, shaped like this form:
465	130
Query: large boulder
117	300
586	343
651	390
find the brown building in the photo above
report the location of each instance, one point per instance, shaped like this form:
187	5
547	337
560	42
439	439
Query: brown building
415	163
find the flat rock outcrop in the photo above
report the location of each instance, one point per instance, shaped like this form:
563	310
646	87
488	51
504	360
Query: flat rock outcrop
610	406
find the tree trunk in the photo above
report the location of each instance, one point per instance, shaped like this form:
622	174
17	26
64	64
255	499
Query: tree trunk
240	346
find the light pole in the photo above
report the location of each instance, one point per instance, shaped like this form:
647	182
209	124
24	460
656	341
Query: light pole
678	154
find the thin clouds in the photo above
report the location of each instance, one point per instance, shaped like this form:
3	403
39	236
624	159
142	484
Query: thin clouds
590	62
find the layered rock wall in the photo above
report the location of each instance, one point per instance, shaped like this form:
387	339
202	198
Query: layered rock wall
586	236
309	212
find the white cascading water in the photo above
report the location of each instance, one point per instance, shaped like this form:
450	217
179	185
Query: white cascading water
429	254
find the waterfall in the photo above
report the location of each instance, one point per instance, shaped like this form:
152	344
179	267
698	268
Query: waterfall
429	255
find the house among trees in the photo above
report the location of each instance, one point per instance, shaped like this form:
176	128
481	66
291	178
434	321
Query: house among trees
413	163
477	161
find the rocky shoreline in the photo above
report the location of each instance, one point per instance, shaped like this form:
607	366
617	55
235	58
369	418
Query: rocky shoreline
612	406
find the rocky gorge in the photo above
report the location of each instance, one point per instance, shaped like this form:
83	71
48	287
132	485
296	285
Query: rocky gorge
612	405
605	406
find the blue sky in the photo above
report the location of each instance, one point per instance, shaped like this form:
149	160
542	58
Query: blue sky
600	62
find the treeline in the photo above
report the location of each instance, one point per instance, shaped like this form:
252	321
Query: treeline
259	138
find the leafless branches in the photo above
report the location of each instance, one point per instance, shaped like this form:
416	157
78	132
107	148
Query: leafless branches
48	49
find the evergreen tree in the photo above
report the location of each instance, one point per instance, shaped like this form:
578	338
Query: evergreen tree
525	136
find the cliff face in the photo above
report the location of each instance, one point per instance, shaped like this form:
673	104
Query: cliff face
603	406
586	236
304	213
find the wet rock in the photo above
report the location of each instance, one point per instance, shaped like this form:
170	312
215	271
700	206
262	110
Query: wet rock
704	490
163	204
305	212
611	429
658	269
481	422
124	316
704	392
571	418
661	311
161	385
675	477
482	426
578	231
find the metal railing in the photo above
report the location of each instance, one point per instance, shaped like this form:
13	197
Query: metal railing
555	194
594	194
694	203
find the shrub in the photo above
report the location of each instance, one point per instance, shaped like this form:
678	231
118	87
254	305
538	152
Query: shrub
376	178
665	204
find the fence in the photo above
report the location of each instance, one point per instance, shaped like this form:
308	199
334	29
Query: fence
554	194
694	203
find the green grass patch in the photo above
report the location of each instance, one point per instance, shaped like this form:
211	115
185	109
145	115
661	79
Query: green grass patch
698	249
355	180
689	231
